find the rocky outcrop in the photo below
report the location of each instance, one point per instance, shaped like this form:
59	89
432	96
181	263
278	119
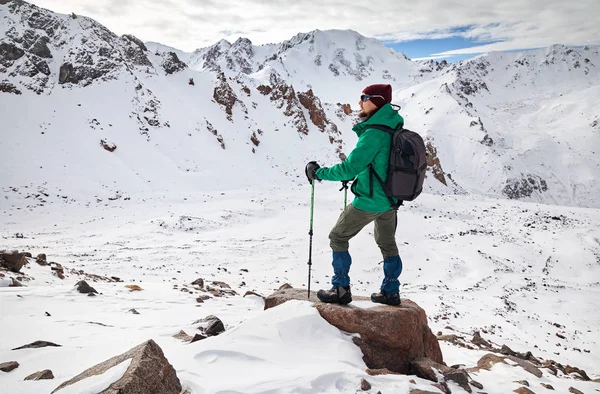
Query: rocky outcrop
7	87
35	35
315	110
393	337
434	166
148	372
226	97
284	96
171	63
214	132
516	188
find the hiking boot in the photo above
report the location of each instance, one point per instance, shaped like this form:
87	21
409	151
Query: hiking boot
392	299
336	295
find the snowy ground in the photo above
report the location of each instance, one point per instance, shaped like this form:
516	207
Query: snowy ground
519	273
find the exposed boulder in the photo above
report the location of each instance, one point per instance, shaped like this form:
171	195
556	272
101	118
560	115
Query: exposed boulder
84	288
489	360
148	372
12	260
211	326
393	337
41	375
430	370
36	345
9	366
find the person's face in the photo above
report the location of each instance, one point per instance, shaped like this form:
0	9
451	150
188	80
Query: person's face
366	107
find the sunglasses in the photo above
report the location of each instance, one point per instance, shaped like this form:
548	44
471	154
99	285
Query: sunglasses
365	97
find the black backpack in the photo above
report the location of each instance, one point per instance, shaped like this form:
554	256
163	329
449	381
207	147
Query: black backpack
407	165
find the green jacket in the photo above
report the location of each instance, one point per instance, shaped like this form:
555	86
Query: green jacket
373	147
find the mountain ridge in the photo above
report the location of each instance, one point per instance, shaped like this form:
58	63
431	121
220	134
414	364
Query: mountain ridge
489	122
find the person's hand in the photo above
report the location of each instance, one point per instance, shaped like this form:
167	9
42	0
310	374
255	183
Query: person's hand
311	170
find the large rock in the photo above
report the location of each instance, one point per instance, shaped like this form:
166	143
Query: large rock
390	336
41	375
9	366
13	260
148	373
489	360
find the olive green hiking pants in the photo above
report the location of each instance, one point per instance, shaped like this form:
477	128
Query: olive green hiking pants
352	220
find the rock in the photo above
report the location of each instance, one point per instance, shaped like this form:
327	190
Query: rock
380	371
37	344
107	145
430	370
284	286
523	390
479	341
15	283
249	293
198	282
84	288
9	366
476	384
134	288
212	326
134	311
393	337
547	386
41	259
197	337
183	336
41	375
171	63
574	390
488	361
148	372
222	285
13	260
364	385
419	391
522	382
527	366
200	299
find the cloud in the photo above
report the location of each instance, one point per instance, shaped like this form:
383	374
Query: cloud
189	24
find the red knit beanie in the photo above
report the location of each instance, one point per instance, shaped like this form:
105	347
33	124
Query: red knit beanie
379	90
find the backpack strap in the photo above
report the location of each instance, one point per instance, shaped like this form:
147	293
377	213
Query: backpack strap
394	205
385	128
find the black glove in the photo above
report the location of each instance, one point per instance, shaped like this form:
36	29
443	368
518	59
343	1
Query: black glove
310	171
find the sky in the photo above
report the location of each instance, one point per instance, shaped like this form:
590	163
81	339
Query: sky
439	29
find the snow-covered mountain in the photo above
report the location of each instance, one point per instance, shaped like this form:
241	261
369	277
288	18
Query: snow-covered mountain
143	117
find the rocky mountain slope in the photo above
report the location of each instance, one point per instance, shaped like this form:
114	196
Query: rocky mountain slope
142	117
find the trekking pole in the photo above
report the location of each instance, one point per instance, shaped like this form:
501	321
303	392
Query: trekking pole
345	188
310	233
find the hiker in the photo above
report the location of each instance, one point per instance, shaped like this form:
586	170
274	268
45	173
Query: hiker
370	202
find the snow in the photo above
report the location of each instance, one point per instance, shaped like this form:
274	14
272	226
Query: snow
548	271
